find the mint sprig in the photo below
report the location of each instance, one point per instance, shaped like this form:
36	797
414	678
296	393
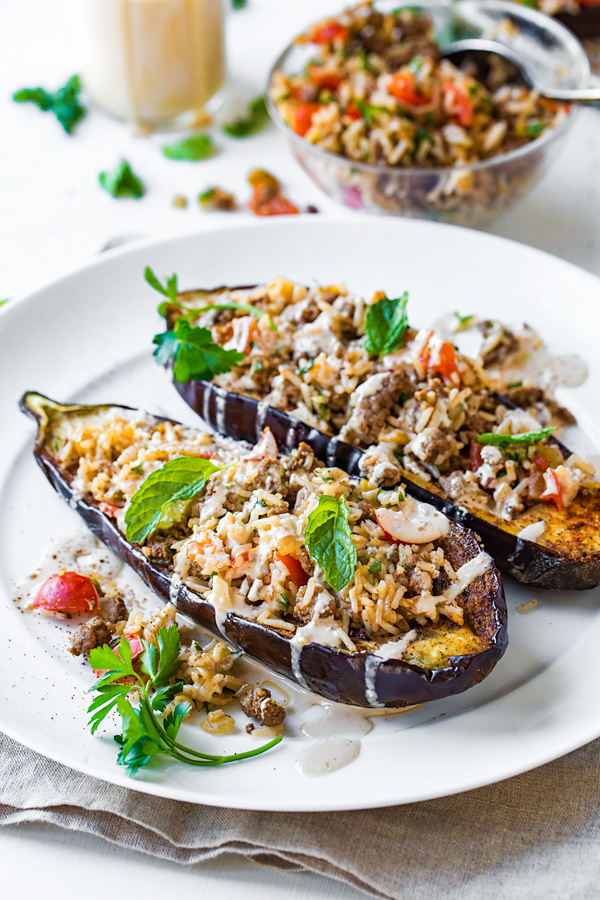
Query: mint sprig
256	119
164	497
192	148
146	731
508	440
385	325
122	182
328	540
64	102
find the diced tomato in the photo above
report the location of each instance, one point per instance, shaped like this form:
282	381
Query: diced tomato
458	103
403	86
265	202
441	360
294	567
137	648
353	112
541	463
109	509
476	456
553	488
328	32
69	592
302	118
327	81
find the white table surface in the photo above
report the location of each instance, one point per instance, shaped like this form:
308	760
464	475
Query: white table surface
53	215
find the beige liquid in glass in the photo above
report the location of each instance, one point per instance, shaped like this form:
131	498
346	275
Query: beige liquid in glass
150	61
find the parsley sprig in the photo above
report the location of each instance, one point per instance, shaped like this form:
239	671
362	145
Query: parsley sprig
329	541
385	325
508	440
146	730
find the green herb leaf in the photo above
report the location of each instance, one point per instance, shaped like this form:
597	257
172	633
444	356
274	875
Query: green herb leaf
385	325
108	697
137	747
464	322
174	719
192	148
2	302
118	664
239	4
507	440
149	660
166	695
374	566
169	289
533	129
122	182
283	601
329	541
169	649
306	367
257	117
195	354
64	103
162	498
514	384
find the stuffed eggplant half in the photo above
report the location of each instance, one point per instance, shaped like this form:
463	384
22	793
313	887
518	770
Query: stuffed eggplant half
379	399
364	596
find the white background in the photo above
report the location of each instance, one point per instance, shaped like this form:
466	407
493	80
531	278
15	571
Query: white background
53	215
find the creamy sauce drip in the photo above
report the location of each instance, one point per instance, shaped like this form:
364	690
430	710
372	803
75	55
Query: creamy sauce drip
327	757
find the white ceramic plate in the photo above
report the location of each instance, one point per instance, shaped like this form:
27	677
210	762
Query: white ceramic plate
87	337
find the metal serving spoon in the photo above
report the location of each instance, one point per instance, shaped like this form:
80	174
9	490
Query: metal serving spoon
477	50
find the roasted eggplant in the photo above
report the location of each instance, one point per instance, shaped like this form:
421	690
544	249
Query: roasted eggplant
445	658
566	557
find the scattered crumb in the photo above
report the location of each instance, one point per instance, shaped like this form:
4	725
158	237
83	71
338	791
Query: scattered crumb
250	727
179	201
527	607
311	209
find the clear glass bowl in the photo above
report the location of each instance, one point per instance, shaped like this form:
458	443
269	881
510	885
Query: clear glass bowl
472	194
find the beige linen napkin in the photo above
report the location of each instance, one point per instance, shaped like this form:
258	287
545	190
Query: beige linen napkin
534	836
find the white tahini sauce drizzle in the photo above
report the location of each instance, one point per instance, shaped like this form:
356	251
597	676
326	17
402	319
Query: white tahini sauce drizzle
371	386
326	757
466	574
533	531
389	650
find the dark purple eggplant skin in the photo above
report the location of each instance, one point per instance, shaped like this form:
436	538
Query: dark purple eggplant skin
243	418
333	674
585	23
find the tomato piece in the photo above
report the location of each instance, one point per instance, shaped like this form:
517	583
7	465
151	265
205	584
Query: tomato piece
294	567
69	592
403	86
553	489
458	103
303	115
327	81
353	112
541	463
446	362
327	32
109	509
137	648
266	202
476	456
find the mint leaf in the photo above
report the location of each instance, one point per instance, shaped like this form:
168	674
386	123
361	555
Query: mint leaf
194	353
191	149
163	498
507	440
385	325
174	719
122	182
257	117
329	541
64	103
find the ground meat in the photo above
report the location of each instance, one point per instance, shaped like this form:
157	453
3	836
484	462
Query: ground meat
158	550
433	447
302	458
94	633
270	477
368	511
499	343
231	502
113	608
534	399
304	611
371	411
258	704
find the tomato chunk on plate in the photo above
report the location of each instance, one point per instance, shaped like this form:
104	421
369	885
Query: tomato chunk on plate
68	592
